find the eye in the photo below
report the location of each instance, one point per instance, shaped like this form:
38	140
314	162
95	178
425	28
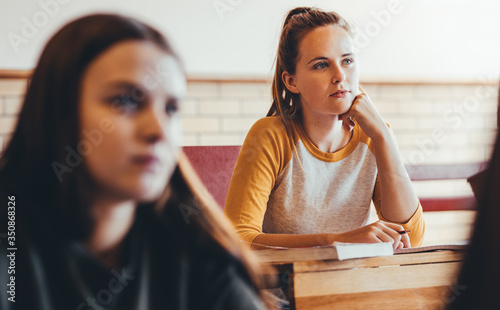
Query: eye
320	65
172	106
127	102
348	61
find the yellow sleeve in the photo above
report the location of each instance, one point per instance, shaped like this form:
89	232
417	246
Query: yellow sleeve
264	153
416	223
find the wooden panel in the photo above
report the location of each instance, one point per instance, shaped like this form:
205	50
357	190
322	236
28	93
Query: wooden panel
309	284
444	172
448	226
13	87
427	298
15	74
395	260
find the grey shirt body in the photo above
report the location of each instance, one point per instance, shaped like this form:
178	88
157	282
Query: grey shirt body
332	197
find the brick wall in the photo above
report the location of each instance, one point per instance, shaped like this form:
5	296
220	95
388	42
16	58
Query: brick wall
11	94
433	124
444	123
447	123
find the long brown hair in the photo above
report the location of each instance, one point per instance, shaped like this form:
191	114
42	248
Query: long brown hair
478	280
299	22
48	126
186	193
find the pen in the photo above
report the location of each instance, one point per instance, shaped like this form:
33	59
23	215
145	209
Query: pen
404	232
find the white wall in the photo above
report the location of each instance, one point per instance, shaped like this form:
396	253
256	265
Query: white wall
420	40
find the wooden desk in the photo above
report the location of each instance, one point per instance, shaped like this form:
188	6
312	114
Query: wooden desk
405	281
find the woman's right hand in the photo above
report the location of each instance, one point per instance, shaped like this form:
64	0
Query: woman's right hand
379	231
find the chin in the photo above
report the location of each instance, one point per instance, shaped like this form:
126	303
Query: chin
149	194
146	197
144	193
152	187
345	107
338	111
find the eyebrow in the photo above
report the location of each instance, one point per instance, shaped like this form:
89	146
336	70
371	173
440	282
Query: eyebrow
122	84
326	58
128	86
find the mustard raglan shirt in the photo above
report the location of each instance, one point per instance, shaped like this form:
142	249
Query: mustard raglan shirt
272	192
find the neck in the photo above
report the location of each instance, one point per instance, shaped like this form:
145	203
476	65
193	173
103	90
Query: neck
112	222
326	132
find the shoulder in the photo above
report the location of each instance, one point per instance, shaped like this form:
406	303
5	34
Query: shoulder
268	131
215	278
268	125
226	281
268	141
185	236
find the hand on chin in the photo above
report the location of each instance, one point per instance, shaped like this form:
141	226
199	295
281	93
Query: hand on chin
348	122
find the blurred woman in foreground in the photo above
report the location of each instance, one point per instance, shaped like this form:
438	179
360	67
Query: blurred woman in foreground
107	212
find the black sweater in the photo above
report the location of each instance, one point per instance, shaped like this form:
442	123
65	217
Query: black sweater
164	268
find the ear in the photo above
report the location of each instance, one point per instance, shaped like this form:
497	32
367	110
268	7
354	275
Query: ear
287	79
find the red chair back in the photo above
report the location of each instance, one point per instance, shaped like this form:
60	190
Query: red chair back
214	165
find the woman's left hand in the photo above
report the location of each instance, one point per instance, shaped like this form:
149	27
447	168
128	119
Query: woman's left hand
364	113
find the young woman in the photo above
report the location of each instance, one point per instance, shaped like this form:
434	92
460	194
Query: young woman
477	284
106	211
307	172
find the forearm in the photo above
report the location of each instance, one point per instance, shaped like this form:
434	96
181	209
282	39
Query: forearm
398	199
292	240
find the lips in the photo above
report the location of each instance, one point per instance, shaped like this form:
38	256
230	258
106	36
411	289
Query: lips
149	162
340	93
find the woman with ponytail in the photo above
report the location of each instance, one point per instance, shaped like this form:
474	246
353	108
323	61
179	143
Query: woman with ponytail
307	173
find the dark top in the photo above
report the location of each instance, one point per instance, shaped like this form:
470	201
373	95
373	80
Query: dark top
164	269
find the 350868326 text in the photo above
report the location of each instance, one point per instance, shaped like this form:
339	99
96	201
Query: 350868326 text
11	248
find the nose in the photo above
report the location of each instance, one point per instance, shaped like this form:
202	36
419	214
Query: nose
338	75
152	124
